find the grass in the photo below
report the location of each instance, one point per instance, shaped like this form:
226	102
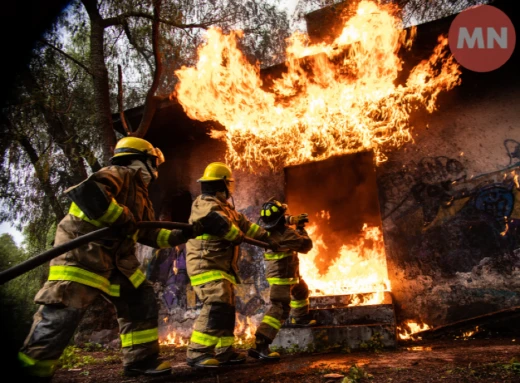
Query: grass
497	370
74	357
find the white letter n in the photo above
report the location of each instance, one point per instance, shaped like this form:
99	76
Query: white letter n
493	36
470	40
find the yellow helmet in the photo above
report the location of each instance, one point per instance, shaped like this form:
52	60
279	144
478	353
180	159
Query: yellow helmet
217	171
131	146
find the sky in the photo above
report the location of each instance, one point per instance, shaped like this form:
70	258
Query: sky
6	227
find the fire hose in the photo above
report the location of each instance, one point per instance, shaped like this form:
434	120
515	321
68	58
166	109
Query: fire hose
40	259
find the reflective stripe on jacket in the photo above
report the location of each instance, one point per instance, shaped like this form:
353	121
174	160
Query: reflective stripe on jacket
282	268
92	264
210	257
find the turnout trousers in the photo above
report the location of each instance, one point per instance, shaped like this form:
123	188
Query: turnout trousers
213	330
289	295
54	324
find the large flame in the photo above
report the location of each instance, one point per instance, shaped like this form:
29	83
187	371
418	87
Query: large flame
359	268
332	99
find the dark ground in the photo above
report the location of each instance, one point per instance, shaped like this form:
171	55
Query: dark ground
495	359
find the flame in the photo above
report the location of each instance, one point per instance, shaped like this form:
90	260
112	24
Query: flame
174	339
409	328
468	334
359	268
332	99
244	331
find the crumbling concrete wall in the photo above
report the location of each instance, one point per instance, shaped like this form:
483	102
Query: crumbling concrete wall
450	204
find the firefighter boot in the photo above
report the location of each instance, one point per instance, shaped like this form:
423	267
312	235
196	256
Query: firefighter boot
148	367
203	361
303	321
261	350
231	358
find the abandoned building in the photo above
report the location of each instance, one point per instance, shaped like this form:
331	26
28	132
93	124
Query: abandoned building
447	205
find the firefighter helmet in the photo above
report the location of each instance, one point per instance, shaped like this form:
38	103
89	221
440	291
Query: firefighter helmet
271	213
217	171
134	146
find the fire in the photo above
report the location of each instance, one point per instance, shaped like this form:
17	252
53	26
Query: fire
244	331
468	334
409	328
359	268
331	100
174	339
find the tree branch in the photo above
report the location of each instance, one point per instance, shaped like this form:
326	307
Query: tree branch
45	42
134	43
150	105
118	20
120	101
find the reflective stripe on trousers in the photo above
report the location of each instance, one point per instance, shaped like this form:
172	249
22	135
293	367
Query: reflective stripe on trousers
209	340
139	337
209	276
40	368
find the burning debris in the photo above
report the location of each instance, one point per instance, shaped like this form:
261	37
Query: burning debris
332	99
408	329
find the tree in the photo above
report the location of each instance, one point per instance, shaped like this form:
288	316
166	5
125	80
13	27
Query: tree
100	57
16	296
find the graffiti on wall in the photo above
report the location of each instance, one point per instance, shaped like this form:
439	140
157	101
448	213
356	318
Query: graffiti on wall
513	151
443	219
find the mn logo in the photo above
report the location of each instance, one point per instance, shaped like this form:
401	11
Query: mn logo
482	38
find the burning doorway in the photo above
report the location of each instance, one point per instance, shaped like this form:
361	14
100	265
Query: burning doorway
346	270
340	195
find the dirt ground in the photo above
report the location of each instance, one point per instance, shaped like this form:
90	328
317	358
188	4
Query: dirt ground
486	360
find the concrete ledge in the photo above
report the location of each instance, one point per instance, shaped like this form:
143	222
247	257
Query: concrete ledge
326	337
373	314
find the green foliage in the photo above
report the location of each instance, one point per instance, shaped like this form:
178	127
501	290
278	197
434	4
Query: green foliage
499	370
17	295
356	374
76	357
374	344
72	358
513	366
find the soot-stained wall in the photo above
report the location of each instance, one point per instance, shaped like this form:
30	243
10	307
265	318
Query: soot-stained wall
451	206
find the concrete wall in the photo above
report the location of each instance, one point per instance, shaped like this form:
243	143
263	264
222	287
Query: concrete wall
450	205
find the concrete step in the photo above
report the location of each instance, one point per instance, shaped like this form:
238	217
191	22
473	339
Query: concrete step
322	338
370	314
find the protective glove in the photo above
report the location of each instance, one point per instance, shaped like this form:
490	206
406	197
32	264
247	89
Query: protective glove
188	232
273	243
197	229
125	224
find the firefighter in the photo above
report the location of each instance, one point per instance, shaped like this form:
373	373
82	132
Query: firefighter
211	262
115	196
289	294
